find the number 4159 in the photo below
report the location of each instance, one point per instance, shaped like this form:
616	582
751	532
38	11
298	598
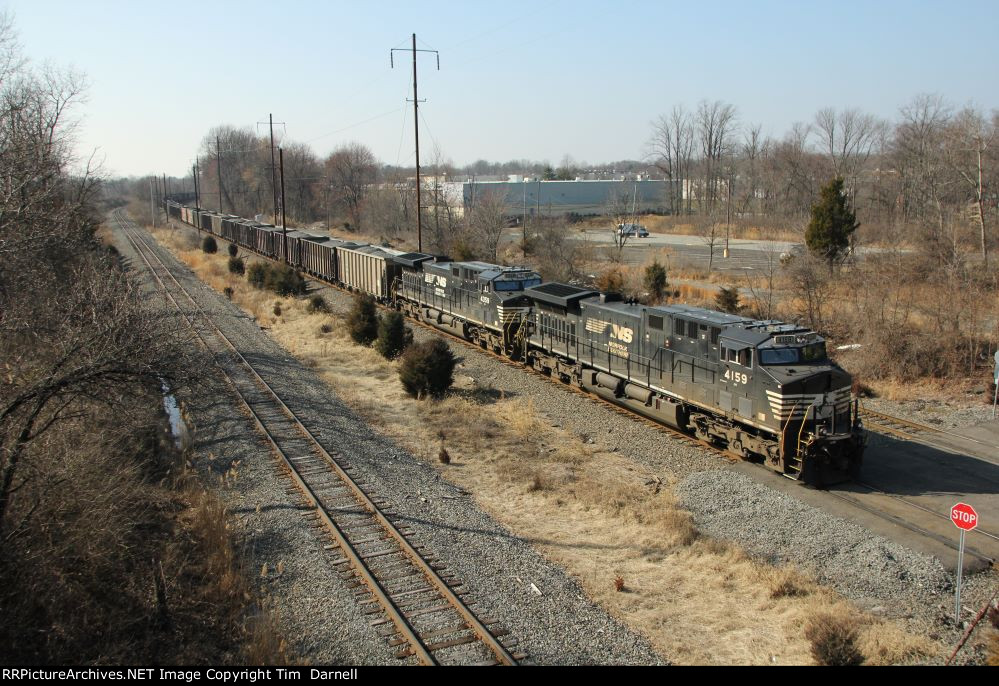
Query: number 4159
736	377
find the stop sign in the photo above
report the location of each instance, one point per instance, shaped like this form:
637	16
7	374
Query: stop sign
964	516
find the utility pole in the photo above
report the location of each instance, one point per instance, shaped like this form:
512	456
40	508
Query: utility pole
728	220
152	203
274	188
284	227
328	184
524	228
274	185
416	123
197	189
218	165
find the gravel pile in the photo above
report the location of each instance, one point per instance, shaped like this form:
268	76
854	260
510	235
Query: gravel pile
318	614
779	528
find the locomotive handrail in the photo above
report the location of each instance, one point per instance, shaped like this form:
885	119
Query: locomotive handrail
804	421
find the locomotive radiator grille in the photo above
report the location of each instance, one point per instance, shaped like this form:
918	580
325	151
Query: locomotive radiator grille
508	315
795	405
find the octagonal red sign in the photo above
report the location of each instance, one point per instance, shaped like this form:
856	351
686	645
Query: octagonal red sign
964	516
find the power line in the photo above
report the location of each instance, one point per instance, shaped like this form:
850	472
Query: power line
377	116
402	133
427	127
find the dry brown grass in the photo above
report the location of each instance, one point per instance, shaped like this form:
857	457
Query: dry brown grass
598	514
834	640
992	654
127	558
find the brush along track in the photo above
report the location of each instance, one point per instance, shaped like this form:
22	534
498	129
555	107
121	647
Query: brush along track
882	513
415	603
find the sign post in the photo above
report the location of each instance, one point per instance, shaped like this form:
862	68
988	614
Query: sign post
965	518
995	379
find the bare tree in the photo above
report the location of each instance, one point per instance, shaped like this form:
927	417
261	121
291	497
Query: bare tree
763	284
239	151
715	123
971	139
709	231
793	173
351	169
620	207
671	148
808	280
73	326
755	147
488	220
304	181
557	256
443	216
847	137
918	156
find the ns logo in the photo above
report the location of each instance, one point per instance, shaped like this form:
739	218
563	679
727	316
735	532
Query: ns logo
621	333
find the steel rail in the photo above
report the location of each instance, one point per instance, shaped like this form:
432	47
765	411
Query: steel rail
903	499
440	586
885	421
675	433
906	524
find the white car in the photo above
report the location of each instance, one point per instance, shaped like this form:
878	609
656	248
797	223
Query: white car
632	230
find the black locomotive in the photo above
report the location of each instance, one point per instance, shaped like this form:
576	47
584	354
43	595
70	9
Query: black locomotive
763	390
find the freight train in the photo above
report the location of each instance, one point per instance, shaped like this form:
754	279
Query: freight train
764	391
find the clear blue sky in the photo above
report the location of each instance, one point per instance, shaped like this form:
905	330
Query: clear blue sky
535	80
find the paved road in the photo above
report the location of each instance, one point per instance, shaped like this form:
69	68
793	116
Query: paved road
917	485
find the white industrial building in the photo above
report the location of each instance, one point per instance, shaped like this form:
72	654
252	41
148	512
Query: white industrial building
532	197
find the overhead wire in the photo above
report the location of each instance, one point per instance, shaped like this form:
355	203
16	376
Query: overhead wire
351	126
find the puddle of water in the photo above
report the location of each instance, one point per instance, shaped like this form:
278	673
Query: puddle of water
178	427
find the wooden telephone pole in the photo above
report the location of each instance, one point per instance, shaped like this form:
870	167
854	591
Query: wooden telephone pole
416	123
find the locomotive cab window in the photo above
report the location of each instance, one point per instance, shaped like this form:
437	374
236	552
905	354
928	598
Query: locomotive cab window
743	357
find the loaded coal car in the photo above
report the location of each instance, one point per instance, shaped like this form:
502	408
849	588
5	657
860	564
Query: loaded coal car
173	209
205	220
368	268
318	257
293	240
478	301
763	390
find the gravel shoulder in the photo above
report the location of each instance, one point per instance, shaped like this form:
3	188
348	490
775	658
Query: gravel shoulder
317	612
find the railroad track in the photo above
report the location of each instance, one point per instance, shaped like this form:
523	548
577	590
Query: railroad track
414	602
895	426
909	525
910	430
888	424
